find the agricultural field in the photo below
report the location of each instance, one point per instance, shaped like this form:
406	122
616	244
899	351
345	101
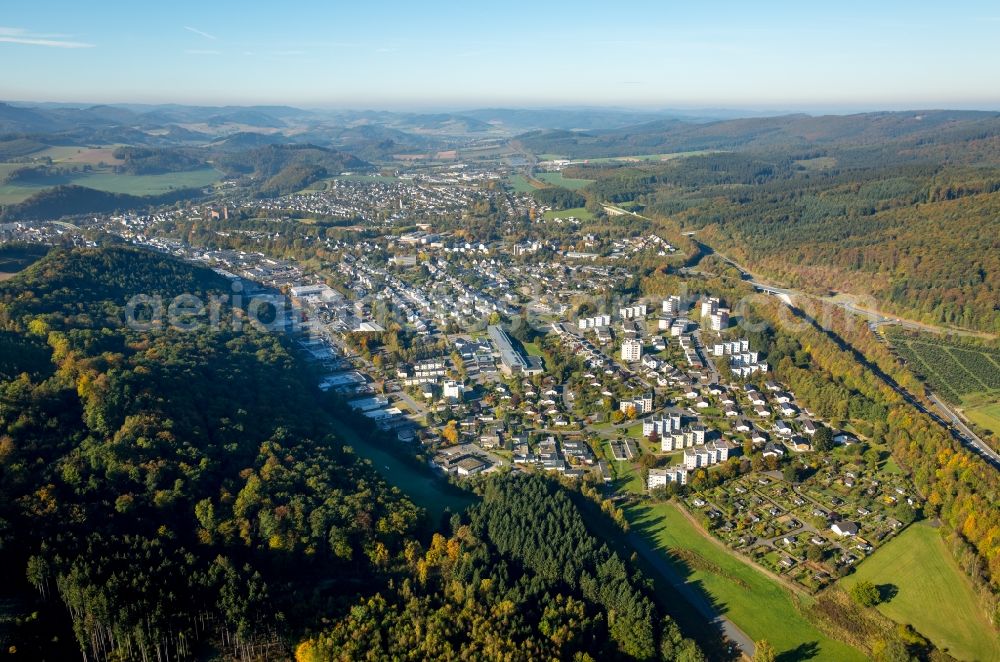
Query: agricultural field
15	258
7	168
521	184
11	194
964	375
579	213
92	167
558	179
759	605
648	157
149	184
114	183
79	155
926	582
986	416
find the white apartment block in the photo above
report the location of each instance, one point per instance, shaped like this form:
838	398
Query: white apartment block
452	389
637	311
424	372
660	477
731	347
631	350
642	404
707	455
672	305
662	425
681	440
596	322
709	306
744	359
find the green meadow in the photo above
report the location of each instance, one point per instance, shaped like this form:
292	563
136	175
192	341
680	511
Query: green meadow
929	585
759	605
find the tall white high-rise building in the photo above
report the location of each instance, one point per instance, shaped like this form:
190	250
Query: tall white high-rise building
672	305
631	350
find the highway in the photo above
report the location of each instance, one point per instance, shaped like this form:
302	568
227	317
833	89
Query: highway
956	421
842	301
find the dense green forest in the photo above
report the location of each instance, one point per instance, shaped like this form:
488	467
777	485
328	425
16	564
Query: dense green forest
910	135
277	170
28	174
163	484
559	198
920	239
179	494
155	161
520	577
17	147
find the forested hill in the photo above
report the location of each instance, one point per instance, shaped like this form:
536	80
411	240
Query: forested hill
181	495
282	169
520	578
71	200
175	491
919	132
919	238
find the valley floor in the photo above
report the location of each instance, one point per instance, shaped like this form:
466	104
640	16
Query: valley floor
755	602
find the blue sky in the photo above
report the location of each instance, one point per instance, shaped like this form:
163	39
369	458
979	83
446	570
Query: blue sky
874	54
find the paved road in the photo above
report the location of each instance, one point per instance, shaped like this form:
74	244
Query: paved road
699	347
660	564
980	446
843	301
418	408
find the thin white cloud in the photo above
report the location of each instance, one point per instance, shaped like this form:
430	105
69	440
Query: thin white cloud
199	32
10	35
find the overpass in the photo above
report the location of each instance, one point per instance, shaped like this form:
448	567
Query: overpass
938	410
780	292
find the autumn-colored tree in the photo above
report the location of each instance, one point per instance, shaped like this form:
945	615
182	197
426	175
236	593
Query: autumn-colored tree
450	432
764	651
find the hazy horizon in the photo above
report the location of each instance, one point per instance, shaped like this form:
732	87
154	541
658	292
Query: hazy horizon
694	109
640	55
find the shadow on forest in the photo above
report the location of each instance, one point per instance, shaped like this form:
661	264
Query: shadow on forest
677	574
